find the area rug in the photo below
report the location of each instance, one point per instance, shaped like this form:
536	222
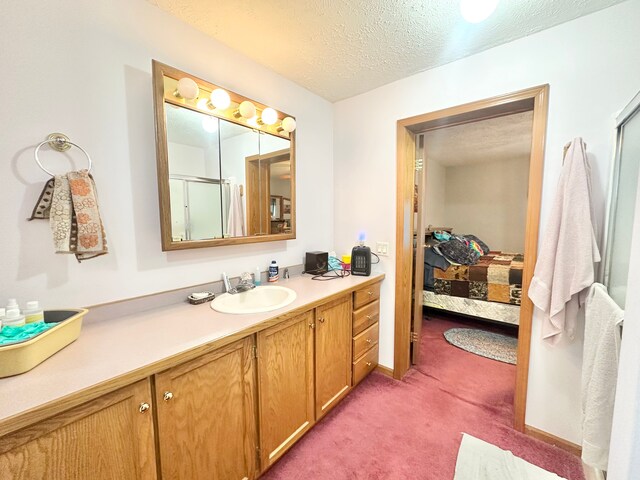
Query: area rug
487	344
479	460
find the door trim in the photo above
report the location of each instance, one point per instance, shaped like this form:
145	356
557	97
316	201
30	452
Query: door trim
536	99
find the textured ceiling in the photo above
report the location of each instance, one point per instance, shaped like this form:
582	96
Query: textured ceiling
340	48
493	140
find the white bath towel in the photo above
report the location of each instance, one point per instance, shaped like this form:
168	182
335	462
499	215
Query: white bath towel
479	460
565	265
235	222
602	337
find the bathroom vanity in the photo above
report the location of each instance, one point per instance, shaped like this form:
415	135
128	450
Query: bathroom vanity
186	392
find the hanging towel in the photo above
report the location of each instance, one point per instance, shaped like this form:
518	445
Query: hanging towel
70	203
235	223
602	338
569	248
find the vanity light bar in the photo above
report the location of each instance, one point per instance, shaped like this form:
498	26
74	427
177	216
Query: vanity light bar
219	99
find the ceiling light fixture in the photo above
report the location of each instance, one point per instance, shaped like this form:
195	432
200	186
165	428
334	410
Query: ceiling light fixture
475	11
187	89
220	99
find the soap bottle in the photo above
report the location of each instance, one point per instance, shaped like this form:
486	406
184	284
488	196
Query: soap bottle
273	271
257	280
13	318
12	304
33	313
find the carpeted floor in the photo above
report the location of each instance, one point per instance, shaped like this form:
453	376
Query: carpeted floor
411	429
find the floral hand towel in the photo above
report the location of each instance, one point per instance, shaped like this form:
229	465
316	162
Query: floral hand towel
71	206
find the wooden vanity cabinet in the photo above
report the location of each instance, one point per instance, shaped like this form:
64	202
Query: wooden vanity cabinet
285	385
206	416
110	437
333	354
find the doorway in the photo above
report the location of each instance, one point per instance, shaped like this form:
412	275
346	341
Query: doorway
409	279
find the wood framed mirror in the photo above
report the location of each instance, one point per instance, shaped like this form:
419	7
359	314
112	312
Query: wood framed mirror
218	167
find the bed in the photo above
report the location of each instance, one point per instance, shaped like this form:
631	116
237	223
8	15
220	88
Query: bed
489	289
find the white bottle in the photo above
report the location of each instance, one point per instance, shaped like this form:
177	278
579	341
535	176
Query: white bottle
13	318
2	311
33	313
257	279
12	304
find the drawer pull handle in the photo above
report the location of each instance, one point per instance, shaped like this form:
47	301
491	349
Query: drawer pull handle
321	319
167	396
144	406
369	364
369	340
369	317
370	293
312	325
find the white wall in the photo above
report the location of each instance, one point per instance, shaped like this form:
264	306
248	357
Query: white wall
489	200
434	194
84	69
591	65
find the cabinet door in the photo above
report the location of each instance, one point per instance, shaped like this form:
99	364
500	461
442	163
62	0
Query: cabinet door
333	354
110	437
285	376
206	416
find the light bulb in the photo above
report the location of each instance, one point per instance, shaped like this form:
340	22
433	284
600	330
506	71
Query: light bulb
253	122
475	11
269	116
187	88
288	124
247	109
203	104
220	99
210	124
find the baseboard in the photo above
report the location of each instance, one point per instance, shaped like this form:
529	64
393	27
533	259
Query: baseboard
553	440
385	370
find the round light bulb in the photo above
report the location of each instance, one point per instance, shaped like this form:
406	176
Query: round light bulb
188	89
210	124
475	11
288	124
220	99
269	116
203	104
253	121
247	109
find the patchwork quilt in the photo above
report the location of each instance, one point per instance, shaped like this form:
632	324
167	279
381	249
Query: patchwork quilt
497	277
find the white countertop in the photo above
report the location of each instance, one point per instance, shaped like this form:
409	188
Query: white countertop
112	348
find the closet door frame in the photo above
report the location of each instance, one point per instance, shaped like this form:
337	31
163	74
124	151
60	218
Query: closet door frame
534	99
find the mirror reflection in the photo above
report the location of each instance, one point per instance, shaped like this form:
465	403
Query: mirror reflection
225	179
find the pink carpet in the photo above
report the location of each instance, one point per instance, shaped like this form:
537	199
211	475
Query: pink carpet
411	429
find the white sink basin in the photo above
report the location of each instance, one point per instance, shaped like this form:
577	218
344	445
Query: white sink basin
257	300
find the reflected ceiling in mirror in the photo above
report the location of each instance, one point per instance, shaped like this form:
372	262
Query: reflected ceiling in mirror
222	178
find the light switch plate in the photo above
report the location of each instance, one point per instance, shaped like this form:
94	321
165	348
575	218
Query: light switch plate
382	248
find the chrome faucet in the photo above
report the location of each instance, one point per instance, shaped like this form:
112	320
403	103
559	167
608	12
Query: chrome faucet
245	284
286	273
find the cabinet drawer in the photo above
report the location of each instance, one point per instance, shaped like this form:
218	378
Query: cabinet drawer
366	316
366	295
365	364
365	340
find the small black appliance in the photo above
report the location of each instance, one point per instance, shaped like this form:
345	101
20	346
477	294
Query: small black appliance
361	261
316	262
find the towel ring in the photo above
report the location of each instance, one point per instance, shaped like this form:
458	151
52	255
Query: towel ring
61	143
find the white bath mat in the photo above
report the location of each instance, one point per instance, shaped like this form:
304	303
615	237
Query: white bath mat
479	460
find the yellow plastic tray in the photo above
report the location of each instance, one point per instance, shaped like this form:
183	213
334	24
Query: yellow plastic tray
21	357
